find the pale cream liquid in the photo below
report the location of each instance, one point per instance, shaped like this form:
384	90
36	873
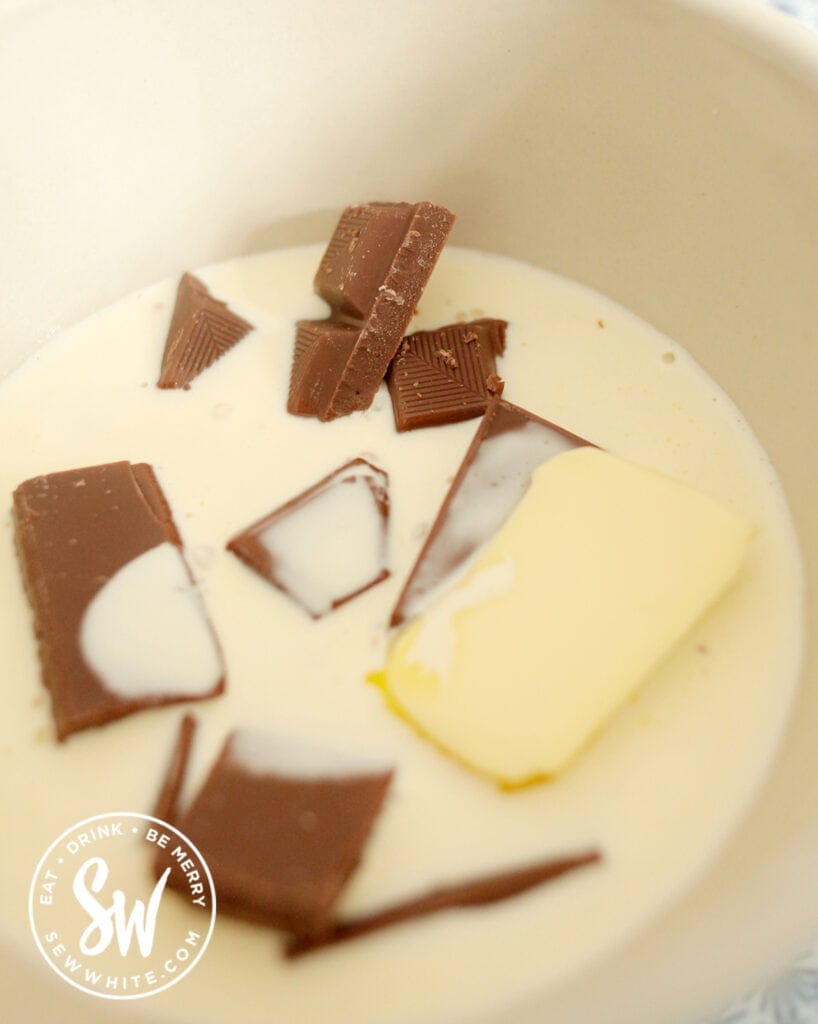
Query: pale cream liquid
658	791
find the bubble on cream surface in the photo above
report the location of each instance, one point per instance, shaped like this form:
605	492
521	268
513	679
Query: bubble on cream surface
146	632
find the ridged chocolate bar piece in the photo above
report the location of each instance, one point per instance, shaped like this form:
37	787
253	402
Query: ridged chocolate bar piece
446	375
327	544
477	892
360	254
372	274
201	330
510	443
282	825
119	622
322	348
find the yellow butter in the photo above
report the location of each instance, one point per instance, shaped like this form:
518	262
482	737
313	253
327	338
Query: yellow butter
601	569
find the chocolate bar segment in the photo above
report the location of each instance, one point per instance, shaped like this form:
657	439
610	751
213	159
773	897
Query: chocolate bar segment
201	330
359	256
326	545
119	622
372	274
475	893
509	445
166	807
446	375
322	348
282	825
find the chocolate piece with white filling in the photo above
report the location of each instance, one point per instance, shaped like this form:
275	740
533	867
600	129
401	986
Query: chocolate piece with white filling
119	622
477	892
372	274
446	375
509	445
201	330
326	545
282	824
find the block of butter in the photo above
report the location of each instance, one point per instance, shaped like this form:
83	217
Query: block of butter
597	574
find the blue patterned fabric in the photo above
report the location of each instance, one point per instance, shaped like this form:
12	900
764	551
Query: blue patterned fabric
805	10
792	999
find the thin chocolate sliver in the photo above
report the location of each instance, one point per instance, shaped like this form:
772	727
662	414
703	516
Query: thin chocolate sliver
328	544
446	375
510	443
282	825
166	807
76	532
201	330
372	274
476	893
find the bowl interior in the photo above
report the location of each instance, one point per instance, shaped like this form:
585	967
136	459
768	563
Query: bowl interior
664	154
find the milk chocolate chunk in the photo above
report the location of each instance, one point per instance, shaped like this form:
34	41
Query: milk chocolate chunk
359	255
282	825
166	807
201	330
372	274
326	545
475	893
119	622
446	375
510	443
322	348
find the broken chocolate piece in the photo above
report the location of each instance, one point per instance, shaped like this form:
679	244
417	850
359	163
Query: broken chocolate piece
360	254
201	330
166	807
476	893
372	274
119	622
326	545
446	375
322	348
282	825
495	473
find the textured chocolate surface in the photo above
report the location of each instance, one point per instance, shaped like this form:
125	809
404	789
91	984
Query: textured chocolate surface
201	330
446	375
372	274
280	844
74	530
475	893
359	256
510	443
322	348
258	548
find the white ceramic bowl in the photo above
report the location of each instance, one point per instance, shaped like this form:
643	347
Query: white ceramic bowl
663	151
